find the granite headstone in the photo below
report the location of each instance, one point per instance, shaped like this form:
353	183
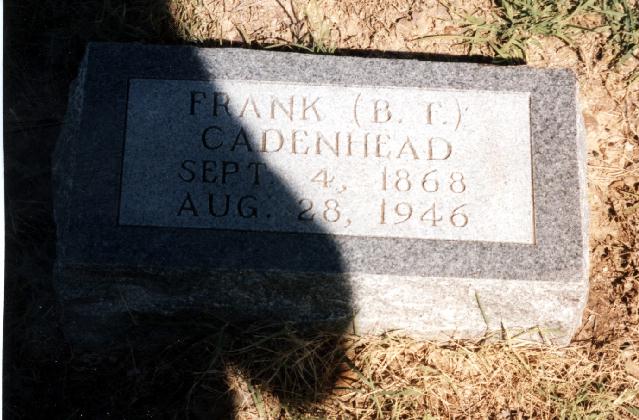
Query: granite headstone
439	199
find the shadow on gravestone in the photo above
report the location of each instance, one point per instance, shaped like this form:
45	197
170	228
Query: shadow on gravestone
47	381
129	285
269	302
279	329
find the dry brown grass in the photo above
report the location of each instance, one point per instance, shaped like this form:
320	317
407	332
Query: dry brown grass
394	377
391	376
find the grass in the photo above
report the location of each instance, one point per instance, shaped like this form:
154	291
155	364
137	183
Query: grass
388	377
280	373
310	28
621	21
508	28
319	33
513	24
621	24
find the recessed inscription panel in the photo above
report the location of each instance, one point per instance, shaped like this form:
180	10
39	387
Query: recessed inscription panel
363	161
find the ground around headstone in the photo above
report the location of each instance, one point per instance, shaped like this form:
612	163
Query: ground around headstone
388	375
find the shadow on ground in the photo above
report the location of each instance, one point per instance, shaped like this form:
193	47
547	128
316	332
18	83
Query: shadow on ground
47	377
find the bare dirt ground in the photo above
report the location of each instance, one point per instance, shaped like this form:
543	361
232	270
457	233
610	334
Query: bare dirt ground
379	377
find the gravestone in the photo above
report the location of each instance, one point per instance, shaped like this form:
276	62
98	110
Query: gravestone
438	199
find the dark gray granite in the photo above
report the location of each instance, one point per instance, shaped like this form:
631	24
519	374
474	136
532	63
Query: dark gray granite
109	270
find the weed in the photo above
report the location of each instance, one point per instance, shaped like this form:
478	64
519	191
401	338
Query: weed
319	29
310	28
508	28
621	23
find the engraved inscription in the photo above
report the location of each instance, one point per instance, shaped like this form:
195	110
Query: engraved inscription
348	160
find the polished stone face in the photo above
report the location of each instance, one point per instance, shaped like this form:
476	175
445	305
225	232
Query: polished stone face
439	199
345	160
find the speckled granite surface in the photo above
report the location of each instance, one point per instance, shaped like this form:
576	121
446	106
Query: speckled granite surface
106	271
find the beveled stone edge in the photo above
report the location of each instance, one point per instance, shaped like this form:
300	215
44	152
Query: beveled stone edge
420	307
542	312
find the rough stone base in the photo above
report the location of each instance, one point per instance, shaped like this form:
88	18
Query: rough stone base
445	308
100	308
